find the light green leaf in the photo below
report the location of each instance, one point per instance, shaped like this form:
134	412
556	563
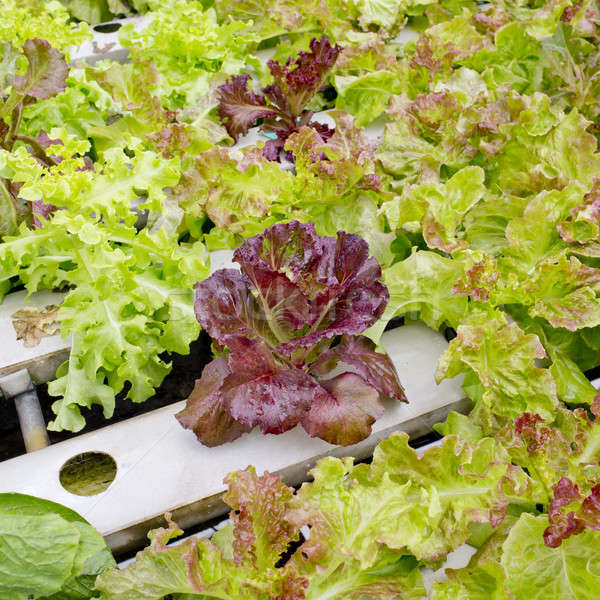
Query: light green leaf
534	235
407	155
567	153
503	358
421	287
535	571
400	578
447	204
8	213
516	60
48	550
25	20
37	554
385	13
189	48
564	292
366	96
411	504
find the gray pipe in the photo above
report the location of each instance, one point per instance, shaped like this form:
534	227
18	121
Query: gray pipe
20	388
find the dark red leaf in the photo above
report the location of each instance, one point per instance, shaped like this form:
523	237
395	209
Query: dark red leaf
284	265
204	412
359	352
350	297
324	131
343	416
290	265
262	392
295	292
46	73
272	149
296	83
276	97
225	306
239	108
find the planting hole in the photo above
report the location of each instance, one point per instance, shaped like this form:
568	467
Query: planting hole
107	27
88	474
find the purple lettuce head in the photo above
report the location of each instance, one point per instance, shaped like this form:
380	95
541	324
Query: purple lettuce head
301	78
296	294
281	104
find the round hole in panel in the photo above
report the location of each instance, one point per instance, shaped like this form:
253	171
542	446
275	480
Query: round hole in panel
88	474
107	27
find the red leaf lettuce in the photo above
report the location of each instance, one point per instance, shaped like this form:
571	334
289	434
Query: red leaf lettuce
279	317
282	104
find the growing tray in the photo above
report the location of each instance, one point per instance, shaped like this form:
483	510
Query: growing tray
161	467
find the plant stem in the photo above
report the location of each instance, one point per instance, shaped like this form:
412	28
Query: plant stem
36	149
15	121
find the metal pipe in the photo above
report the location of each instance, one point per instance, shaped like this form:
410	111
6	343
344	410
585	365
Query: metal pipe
20	388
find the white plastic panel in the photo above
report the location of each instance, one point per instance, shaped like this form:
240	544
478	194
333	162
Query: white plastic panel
41	360
162	467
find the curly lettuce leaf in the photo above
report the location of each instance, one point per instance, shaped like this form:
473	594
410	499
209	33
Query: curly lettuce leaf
403	504
189	49
571	355
387	14
566	449
515	563
244	560
564	292
25	20
335	186
298	22
440	207
422	137
44	78
503	358
345	160
138	117
237	195
548	158
239	562
82	106
366	96
93	247
570	512
422	286
240	108
300	78
294	84
9	215
515	59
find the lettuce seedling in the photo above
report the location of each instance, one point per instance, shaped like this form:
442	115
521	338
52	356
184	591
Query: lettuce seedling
282	104
288	318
